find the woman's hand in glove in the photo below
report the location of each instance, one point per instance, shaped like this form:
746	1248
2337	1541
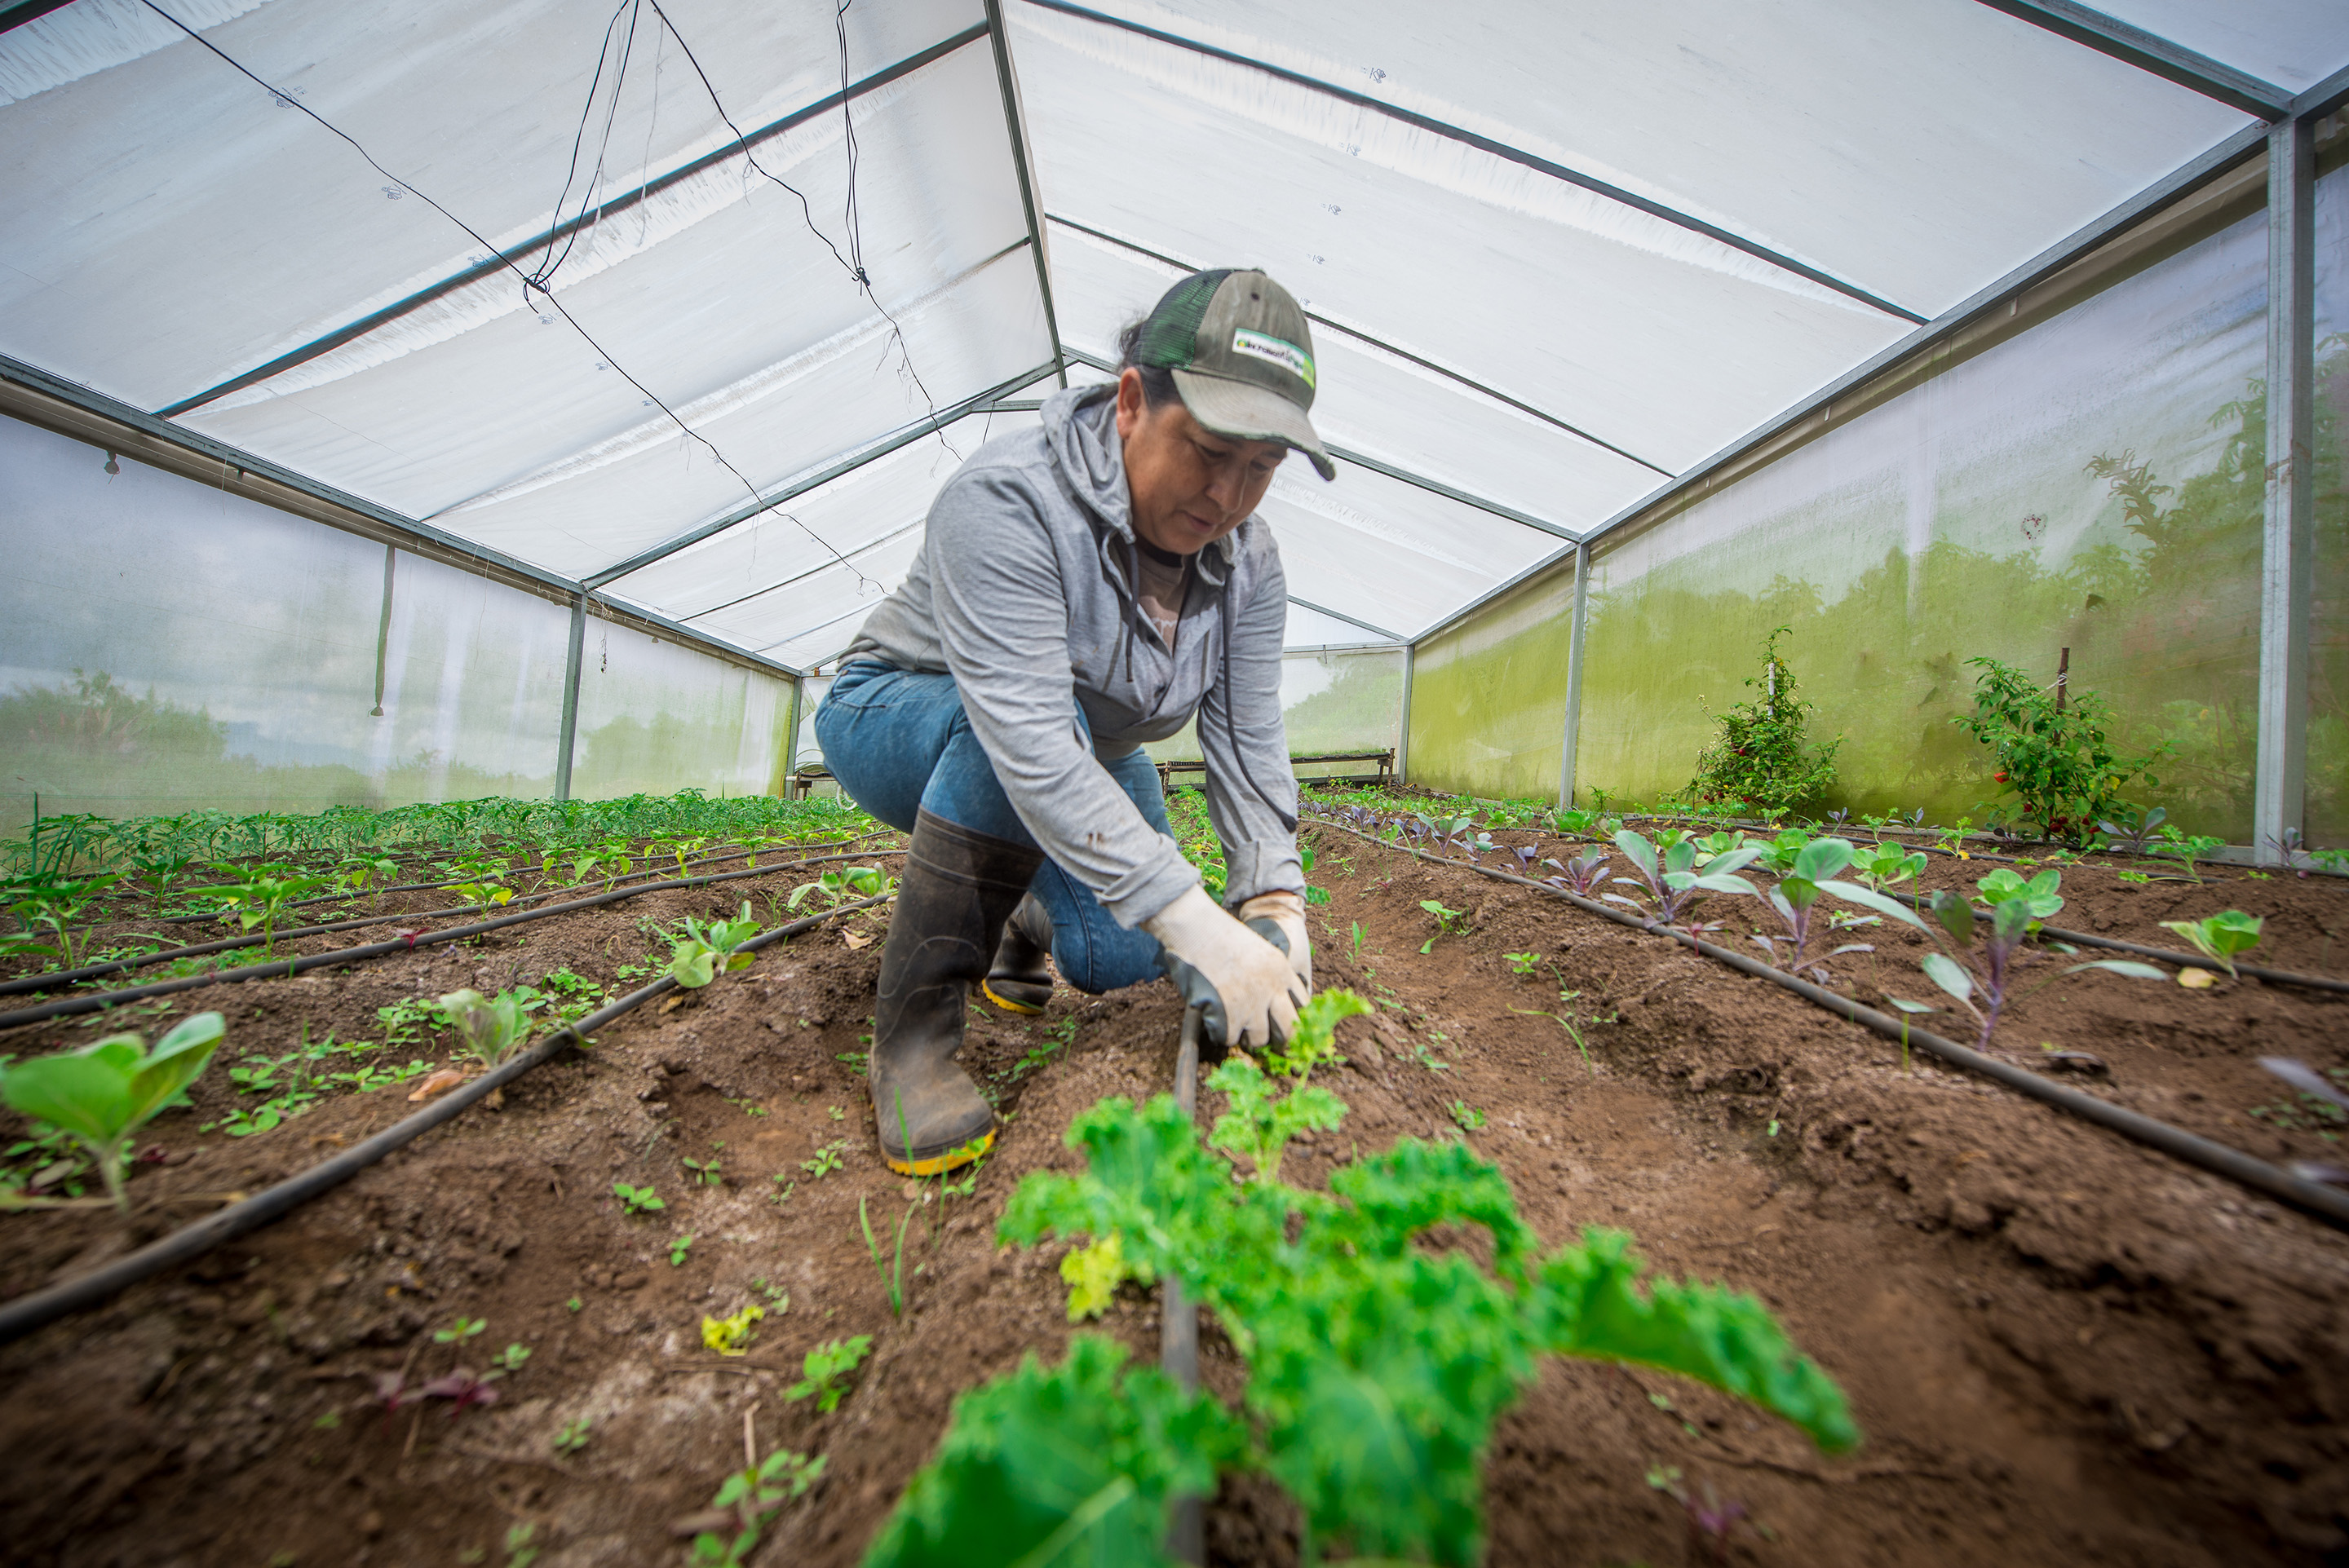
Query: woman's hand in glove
1285	912
1244	986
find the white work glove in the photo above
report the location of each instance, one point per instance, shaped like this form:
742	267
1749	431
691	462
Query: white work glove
1243	985
1284	911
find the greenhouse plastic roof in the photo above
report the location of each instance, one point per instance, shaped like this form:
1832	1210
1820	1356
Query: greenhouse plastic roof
1556	254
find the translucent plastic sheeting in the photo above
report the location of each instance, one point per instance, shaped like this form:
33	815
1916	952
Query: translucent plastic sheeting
599	506
768	581
1393	554
1488	697
2294	43
1919	153
656	718
1309	628
1328	702
1374	401
171	224
1664	343
2328	675
722	305
2092	482
172	648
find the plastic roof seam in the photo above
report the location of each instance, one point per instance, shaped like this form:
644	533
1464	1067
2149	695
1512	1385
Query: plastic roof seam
501	261
2151	53
1501	150
1576	431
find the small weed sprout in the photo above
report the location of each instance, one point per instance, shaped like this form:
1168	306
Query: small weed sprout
459	1332
2186	849
1468	1117
638	1199
754	1494
2220	936
677	1248
709	1172
1448	921
572	1436
509	1360
823	1368
827	1161
102	1094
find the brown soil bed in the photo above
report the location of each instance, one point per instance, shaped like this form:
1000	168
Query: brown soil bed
2062	1348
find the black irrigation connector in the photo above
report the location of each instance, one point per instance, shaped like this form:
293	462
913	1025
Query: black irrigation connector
2330	1205
50	979
280	969
23	1315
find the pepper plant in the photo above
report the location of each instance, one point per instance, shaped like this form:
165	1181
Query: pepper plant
262	896
2051	750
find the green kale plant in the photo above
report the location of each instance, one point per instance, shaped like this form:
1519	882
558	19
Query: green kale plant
105	1092
2055	760
1760	756
1377	1364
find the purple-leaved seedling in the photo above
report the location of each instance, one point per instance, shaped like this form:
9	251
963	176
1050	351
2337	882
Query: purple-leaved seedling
1676	880
1811	877
1991	964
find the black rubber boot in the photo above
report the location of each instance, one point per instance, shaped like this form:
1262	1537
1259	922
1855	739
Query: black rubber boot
959	889
1021	980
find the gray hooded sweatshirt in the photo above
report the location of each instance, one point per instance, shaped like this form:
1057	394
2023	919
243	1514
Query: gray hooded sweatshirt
1024	590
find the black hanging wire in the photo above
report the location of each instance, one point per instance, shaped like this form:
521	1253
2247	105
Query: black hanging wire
530	286
552	263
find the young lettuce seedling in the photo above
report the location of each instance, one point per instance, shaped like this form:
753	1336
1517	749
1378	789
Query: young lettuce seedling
2219	936
105	1092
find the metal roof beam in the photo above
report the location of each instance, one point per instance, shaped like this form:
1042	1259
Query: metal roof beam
903	436
619	204
1436	487
2151	53
1499	149
1350	621
1482	390
1015	123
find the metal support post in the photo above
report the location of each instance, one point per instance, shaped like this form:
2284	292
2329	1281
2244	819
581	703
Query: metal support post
1566	758
571	697
1015	122
791	734
1402	729
2278	787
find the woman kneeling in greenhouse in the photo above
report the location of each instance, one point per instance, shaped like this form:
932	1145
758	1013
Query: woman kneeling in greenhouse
1082	588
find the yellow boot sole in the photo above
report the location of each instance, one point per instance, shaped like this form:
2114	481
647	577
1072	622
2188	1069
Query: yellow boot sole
939	1165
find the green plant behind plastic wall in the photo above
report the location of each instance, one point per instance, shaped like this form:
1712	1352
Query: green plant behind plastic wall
1758	755
2054	758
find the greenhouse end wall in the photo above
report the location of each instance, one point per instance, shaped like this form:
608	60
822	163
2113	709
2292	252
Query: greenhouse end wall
2093	482
170	647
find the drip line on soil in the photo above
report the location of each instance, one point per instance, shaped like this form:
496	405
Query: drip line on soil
21	1316
278	969
1178	1320
48	980
2311	1197
2183	960
461	882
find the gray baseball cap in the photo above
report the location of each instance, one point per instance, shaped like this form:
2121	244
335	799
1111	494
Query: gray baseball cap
1242	356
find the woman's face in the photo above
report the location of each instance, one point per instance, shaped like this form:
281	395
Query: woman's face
1189	486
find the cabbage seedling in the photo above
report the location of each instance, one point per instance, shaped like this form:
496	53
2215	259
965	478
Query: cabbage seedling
1989	967
844	886
2038	895
1676	880
1448	921
698	951
1887	863
490	1029
2186	849
104	1093
2220	936
1811	877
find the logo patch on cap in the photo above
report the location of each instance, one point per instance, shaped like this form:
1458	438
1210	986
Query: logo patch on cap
1278	351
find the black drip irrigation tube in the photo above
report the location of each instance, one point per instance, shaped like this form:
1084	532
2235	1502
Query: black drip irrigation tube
2314	1197
50	979
2182	960
1178	1320
21	1316
281	969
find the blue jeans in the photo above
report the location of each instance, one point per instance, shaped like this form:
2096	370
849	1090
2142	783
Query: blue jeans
899	740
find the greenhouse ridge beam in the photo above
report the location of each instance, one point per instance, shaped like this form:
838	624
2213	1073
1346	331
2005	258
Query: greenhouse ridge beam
502	260
2151	53
1482	390
928	424
1015	125
82	414
1500	150
1435	487
2278	789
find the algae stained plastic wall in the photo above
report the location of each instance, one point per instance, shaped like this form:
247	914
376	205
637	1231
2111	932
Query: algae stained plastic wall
1330	701
1488	697
2328	675
166	647
2093	482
